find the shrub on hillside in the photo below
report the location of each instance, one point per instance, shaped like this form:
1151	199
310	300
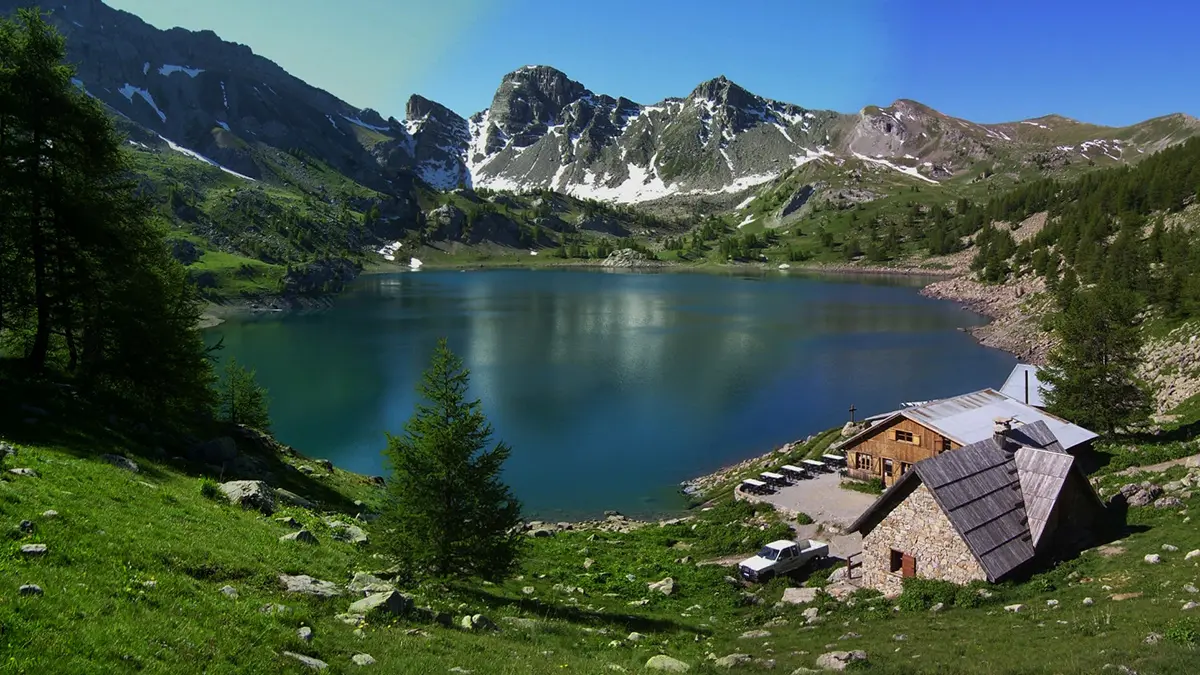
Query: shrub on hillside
209	489
921	594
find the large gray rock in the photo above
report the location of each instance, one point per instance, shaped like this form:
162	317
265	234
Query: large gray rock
389	602
839	660
666	586
33	550
289	497
307	661
477	622
667	664
732	661
24	472
300	535
250	494
30	589
121	462
799	596
368	583
350	533
362	659
306	585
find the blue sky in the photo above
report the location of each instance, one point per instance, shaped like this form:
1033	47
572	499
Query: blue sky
1101	61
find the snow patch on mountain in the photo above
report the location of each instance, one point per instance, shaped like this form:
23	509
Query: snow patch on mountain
909	170
129	90
167	69
746	202
195	155
358	122
146	68
223	125
224	95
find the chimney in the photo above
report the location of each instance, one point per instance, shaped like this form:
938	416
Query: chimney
1000	429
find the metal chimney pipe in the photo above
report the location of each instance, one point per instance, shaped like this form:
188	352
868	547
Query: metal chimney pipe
1026	386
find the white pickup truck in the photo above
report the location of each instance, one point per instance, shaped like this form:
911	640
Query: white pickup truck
781	557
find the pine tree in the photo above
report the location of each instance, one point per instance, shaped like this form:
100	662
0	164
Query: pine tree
243	400
1093	369
451	514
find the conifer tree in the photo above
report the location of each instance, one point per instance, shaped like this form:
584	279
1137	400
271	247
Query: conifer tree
1093	368
243	399
449	512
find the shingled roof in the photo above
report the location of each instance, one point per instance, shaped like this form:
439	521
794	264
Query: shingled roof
998	497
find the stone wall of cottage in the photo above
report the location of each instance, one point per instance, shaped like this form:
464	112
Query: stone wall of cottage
918	527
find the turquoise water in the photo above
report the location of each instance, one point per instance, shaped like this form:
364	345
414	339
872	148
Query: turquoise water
610	387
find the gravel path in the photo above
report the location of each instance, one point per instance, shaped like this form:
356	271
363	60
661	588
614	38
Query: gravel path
823	500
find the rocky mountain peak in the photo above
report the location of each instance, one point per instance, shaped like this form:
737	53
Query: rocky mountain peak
533	96
723	91
421	108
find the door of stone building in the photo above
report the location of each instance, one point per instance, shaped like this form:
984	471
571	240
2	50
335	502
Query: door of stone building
908	566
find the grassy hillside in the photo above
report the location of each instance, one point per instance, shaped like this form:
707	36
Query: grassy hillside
133	576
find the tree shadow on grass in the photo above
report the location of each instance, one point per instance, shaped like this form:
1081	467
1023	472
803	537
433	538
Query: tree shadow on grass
579	615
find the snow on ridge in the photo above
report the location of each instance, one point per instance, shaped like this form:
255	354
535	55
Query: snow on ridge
146	68
749	219
355	120
1035	124
911	171
224	95
223	125
167	69
334	124
746	202
728	160
195	155
129	90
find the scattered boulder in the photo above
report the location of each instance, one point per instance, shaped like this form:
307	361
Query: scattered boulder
1052	603
390	602
366	584
1152	639
1088	602
937	607
352	534
306	585
799	596
304	633
839	660
1124	596
1170	548
362	659
754	634
33	550
300	535
325	464
1140	498
30	589
289	497
121	462
1189	605
229	591
528	590
289	522
1167	503
477	622
24	472
1192	554
25	526
7	450
307	661
1190	588
635	637
666	586
1153	558
1014	608
732	661
250	494
273	608
50	515
667	664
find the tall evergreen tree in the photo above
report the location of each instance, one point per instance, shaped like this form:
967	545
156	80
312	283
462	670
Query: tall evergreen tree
242	399
451	514
1093	368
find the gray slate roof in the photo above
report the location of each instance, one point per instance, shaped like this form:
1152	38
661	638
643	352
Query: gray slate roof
969	418
1014	386
998	499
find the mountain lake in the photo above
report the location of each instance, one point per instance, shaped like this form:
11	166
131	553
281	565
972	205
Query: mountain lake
611	387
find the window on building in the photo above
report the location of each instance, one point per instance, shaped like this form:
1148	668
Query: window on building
946	445
904	436
904	467
896	561
862	461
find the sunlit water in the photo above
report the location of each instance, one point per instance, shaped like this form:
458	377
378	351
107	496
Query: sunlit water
611	388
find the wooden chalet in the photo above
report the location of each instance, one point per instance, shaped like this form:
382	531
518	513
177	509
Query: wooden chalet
894	443
986	511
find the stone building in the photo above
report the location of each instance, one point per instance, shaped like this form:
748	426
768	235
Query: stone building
893	443
983	512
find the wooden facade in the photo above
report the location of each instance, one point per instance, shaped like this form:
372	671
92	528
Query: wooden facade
891	449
